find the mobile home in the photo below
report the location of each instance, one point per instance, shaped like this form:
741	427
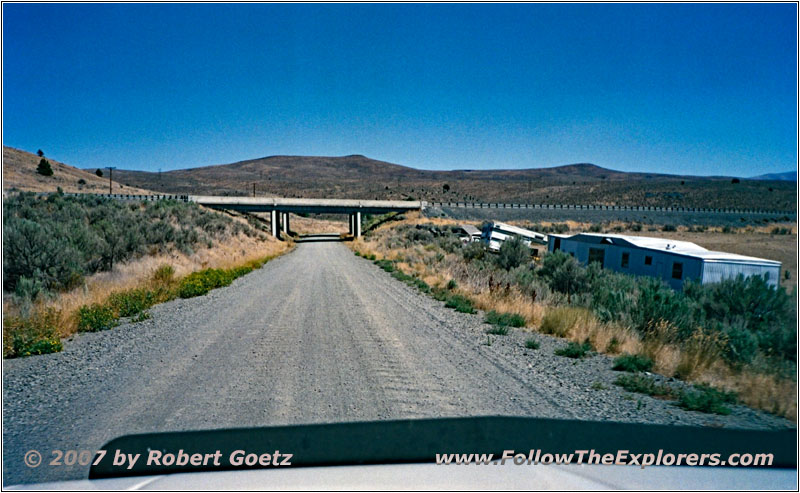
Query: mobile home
671	260
495	233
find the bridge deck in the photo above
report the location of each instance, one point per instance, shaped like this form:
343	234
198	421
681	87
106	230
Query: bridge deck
331	206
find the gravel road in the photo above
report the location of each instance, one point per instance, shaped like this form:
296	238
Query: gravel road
317	335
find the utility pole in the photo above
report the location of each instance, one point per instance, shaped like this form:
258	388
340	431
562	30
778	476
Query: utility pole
110	172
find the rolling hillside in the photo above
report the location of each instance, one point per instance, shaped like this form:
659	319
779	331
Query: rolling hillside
787	176
357	176
19	173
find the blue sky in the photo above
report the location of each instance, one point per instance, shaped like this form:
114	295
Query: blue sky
676	88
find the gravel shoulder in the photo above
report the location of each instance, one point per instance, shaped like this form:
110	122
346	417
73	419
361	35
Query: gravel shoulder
317	335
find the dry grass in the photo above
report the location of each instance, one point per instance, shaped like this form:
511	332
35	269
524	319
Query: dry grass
778	396
513	302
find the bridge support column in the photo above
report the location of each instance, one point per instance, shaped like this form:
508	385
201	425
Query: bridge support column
273	222
285	222
357	224
350	224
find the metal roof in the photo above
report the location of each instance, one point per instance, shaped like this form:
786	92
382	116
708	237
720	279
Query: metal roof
519	231
469	229
678	247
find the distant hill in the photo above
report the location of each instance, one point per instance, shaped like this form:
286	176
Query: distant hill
19	173
357	176
787	176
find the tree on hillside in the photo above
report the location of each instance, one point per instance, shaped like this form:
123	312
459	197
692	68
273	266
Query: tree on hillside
99	172
44	168
40	153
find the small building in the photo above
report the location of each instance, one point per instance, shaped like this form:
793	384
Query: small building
468	233
671	260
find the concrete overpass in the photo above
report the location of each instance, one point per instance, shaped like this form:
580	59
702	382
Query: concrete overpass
279	208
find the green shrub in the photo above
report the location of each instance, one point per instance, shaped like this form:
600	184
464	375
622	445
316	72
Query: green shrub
164	274
633	363
532	344
473	251
452	284
459	303
36	334
439	294
613	345
656	301
40	346
740	344
29	289
422	285
506	319
734	306
564	274
56	241
613	295
643	385
385	264
201	282
574	350
669	228
513	253
93	318
706	399
500	330
402	276
132	302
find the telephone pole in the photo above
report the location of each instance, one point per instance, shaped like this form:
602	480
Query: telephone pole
110	172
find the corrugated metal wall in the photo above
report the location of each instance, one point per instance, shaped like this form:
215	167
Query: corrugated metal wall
717	271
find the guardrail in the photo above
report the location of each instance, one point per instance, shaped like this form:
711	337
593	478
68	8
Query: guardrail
497	205
125	196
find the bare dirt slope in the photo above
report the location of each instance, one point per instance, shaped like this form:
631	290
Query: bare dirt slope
317	335
19	172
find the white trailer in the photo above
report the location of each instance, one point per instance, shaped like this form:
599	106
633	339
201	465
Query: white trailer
671	260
